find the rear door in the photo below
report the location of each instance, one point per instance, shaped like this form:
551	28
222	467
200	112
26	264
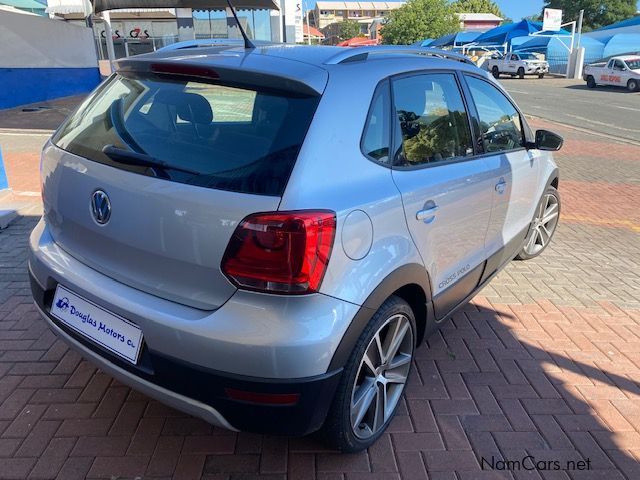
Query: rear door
516	170
226	152
446	191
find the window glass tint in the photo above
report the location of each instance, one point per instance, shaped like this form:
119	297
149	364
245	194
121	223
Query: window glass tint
500	123
375	140
229	104
210	135
618	64
431	120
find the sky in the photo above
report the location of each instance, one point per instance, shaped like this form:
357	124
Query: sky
516	9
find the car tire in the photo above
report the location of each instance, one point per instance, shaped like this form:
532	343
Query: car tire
521	72
633	85
495	71
543	226
355	420
591	82
541	75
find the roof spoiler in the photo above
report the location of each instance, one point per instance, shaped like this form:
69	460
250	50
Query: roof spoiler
182	68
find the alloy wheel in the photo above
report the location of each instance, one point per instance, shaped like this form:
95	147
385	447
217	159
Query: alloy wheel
381	376
544	225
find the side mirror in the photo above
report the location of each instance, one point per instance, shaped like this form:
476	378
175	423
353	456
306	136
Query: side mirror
546	140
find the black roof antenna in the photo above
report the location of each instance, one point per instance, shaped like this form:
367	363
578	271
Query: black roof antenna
247	43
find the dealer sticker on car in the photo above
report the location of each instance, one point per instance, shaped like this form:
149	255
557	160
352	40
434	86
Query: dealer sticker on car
107	329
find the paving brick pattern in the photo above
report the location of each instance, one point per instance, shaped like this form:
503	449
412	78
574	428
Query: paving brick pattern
543	365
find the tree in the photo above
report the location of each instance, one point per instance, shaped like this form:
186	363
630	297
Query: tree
477	6
597	13
419	19
536	17
348	29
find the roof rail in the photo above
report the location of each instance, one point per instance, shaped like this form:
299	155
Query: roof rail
358	54
209	42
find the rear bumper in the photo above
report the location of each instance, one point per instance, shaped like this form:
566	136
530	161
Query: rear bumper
287	352
201	392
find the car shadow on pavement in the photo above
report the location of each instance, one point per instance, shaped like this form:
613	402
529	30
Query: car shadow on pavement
602	88
539	392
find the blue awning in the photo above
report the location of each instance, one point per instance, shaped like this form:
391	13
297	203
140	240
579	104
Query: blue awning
505	33
456	39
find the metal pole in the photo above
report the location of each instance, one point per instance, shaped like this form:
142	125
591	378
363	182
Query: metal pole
308	29
573	32
111	55
579	28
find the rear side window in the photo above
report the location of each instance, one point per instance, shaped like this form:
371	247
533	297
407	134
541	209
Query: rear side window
431	120
500	122
375	140
208	135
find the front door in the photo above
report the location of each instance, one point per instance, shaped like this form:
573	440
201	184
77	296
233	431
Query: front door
516	170
446	190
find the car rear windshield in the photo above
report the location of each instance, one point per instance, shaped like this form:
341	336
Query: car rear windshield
205	134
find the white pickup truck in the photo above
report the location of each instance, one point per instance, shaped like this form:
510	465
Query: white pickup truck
623	71
519	64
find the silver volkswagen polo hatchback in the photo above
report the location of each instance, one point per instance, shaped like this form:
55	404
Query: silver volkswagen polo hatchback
262	237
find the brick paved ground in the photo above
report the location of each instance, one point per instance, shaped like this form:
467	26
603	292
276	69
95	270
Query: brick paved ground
546	362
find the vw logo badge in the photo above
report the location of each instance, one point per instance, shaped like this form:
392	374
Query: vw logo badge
100	207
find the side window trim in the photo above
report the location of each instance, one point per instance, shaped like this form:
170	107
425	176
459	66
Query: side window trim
526	133
383	84
394	146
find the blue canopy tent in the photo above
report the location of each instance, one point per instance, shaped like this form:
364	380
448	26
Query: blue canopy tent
503	34
618	38
423	43
556	49
456	39
622	43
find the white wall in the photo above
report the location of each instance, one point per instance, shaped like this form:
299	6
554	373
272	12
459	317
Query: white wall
28	41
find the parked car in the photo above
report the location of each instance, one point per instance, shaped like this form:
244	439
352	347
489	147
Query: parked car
621	71
262	238
519	64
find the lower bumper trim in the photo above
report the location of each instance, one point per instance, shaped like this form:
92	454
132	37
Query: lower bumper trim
180	402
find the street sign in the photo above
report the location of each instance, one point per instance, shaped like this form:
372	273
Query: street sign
552	20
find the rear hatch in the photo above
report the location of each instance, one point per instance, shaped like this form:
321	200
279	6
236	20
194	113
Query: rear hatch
148	179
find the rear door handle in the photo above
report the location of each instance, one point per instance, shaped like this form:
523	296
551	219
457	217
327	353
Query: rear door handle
427	215
500	186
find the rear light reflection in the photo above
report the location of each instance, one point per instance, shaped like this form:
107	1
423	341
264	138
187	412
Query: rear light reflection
281	252
262	398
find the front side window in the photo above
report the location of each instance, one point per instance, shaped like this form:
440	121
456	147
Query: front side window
618	65
203	134
375	139
500	123
431	120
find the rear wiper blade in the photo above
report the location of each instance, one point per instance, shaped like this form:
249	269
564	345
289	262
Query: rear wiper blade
128	157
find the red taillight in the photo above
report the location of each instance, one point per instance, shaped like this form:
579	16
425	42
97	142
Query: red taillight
174	68
281	252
